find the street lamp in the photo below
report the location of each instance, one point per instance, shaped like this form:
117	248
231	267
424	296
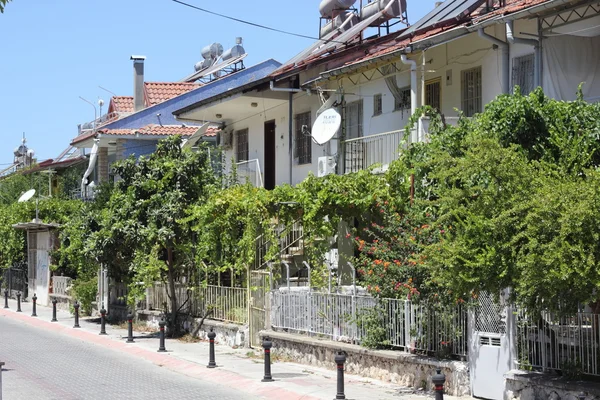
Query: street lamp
95	111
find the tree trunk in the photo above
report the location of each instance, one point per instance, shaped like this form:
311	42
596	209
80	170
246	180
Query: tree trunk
172	319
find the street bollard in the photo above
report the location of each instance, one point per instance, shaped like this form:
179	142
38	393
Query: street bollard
340	359
34	305
1	365
267	344
581	396
438	380
103	322
5	298
18	301
54	301
130	328
161	326
211	349
76	307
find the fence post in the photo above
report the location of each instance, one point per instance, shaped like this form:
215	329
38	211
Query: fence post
407	325
309	301
354	324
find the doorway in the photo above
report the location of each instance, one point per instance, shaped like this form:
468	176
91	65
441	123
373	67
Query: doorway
269	163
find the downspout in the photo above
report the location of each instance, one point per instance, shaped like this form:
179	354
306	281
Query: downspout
505	66
423	97
530	42
413	82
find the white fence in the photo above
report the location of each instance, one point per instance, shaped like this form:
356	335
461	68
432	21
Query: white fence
60	285
570	344
400	323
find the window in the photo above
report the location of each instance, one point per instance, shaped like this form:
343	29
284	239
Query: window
354	120
471	91
241	145
377	105
303	145
403	103
522	73
433	93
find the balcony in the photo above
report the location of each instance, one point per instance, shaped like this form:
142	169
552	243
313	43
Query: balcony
249	172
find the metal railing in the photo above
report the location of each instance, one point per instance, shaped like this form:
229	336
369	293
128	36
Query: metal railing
15	279
436	330
570	344
60	284
290	238
249	172
363	152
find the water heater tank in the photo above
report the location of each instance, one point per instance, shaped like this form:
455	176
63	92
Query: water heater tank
338	21
331	8
212	51
394	10
233	52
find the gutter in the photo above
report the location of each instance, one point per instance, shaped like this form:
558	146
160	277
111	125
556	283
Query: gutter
413	82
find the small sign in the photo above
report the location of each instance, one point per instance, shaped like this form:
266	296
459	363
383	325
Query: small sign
326	126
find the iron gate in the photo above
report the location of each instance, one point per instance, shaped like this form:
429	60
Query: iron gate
15	279
489	352
260	285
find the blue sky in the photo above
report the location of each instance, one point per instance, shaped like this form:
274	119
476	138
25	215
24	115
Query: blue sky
52	52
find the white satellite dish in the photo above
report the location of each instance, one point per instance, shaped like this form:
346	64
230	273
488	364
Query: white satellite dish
26	196
326	126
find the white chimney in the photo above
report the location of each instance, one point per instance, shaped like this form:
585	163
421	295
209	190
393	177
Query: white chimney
138	82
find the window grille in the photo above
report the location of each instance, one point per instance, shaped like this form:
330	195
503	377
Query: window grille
242	150
471	91
433	93
403	103
303	145
377	105
522	73
354	119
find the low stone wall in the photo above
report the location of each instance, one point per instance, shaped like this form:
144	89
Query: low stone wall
232	335
390	366
522	385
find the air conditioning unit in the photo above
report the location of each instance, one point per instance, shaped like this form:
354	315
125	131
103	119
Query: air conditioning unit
326	166
226	139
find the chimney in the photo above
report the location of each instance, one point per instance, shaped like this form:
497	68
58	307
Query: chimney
138	82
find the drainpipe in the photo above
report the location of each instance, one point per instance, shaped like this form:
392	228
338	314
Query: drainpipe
413	82
291	91
505	58
530	42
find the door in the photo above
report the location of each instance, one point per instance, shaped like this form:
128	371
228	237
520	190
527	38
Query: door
260	285
489	348
269	179
42	273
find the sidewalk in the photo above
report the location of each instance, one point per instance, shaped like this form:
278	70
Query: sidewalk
237	368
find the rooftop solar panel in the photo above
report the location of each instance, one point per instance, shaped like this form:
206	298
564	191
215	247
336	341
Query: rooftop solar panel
449	10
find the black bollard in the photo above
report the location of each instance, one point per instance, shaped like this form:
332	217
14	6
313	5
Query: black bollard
54	301
130	328
340	359
211	349
267	344
161	326
438	380
581	396
18	301
103	322
5	298
76	307
34	299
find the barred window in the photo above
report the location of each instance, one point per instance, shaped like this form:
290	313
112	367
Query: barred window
303	145
433	93
241	145
403	103
522	73
377	105
471	91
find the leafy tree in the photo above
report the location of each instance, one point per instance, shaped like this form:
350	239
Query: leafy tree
3	4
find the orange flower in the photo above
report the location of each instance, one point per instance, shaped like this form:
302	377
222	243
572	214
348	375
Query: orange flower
377	262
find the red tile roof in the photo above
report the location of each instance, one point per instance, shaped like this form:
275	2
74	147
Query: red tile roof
157	92
121	104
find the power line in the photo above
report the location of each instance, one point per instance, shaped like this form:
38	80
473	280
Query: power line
253	23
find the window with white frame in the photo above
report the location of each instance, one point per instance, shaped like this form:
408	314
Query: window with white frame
471	91
433	93
522	73
403	102
241	145
354	119
377	105
303	141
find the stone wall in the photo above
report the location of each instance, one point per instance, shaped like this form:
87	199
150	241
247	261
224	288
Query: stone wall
522	385
62	302
390	366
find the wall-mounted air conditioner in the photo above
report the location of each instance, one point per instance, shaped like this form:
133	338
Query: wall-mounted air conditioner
326	166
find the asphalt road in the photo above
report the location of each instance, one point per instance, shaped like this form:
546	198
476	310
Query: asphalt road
42	365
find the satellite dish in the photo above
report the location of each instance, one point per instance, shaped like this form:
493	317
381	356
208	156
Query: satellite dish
26	196
326	126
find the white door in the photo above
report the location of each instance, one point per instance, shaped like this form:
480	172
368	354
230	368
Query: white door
489	349
42	268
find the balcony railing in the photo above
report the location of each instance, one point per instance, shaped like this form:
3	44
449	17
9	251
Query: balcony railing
249	172
361	153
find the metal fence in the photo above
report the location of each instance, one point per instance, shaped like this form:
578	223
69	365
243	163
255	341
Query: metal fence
398	323
227	304
363	152
15	279
567	343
